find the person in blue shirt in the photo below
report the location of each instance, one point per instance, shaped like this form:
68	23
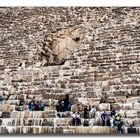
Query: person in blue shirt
30	106
42	105
1	99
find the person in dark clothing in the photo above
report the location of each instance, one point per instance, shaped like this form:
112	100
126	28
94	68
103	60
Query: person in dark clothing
21	102
120	127
42	105
108	121
103	117
30	106
113	113
131	129
67	103
37	106
62	105
1	99
86	112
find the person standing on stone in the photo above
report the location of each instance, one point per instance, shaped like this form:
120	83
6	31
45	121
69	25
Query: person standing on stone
113	113
67	103
86	112
111	121
103	117
78	120
92	111
42	105
30	105
62	106
74	119
1	99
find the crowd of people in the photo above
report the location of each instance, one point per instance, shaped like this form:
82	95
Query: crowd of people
88	112
113	119
36	105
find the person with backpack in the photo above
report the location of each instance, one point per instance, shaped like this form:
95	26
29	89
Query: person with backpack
131	129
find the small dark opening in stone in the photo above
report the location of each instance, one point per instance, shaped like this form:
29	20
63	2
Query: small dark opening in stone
77	39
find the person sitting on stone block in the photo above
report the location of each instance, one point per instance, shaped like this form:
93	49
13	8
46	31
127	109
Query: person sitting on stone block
76	119
131	129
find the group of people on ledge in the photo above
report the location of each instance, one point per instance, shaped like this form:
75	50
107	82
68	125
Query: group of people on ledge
113	119
36	105
88	112
64	104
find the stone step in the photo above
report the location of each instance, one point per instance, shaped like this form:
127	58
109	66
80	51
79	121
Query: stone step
29	114
56	130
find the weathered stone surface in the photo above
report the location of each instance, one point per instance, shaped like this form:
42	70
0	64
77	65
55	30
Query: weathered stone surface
104	107
48	52
136	106
132	113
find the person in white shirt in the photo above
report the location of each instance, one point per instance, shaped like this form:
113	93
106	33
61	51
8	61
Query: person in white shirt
78	120
74	118
92	112
111	121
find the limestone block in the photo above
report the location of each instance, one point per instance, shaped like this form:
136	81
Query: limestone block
121	99
64	48
97	114
89	101
49	114
6	114
115	106
1	61
37	114
5	107
128	121
104	106
75	34
95	130
132	99
68	131
139	100
15	114
62	121
137	122
132	113
110	100
27	114
136	106
126	106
